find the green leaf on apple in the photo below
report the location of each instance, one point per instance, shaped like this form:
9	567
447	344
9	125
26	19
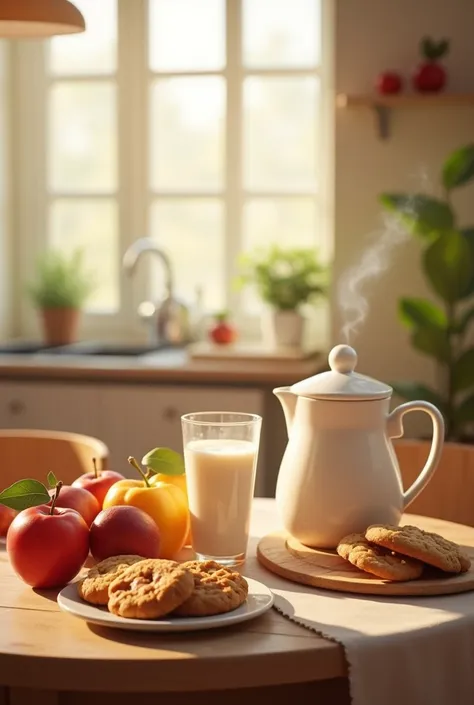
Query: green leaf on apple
24	494
52	480
165	461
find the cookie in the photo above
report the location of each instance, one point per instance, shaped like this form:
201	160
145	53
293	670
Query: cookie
150	589
216	590
94	588
422	545
376	560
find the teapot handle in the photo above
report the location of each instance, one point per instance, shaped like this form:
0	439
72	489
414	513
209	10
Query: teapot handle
395	430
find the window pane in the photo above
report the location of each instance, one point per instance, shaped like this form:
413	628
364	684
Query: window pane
187	134
82	137
95	50
281	33
280	133
91	224
191	233
287	222
187	35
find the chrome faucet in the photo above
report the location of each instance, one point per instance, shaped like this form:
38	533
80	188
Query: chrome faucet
168	319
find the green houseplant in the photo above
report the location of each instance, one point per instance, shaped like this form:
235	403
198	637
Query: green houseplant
59	290
285	279
439	328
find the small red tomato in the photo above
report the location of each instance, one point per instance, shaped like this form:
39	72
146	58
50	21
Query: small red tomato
389	83
222	332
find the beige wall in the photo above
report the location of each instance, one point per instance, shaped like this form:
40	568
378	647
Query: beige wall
372	35
5	196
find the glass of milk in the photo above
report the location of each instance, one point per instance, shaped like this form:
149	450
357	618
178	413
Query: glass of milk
220	454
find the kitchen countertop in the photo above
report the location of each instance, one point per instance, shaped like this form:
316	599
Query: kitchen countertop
164	366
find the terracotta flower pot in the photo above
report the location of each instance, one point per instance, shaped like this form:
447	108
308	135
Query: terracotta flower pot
60	325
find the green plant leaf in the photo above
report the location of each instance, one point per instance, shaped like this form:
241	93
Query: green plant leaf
464	413
431	340
24	494
464	321
448	265
463	371
420	214
412	391
468	234
52	480
459	167
164	460
415	312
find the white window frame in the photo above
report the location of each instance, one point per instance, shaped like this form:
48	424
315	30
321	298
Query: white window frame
134	194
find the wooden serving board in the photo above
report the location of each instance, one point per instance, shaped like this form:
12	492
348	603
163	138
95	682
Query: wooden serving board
287	557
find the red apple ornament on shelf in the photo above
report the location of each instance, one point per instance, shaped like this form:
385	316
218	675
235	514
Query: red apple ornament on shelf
222	332
47	545
389	83
98	482
430	76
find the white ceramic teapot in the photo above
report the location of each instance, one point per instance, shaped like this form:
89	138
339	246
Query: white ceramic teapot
339	472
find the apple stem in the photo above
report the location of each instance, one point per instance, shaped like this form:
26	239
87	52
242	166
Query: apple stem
94	462
56	495
135	465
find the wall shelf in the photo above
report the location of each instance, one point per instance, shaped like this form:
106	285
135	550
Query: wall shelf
382	105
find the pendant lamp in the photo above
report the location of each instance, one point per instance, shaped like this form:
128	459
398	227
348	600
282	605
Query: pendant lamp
39	19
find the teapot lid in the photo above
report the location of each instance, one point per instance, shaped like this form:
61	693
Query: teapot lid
341	382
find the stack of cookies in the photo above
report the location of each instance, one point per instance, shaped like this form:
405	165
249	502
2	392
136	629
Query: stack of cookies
400	553
138	588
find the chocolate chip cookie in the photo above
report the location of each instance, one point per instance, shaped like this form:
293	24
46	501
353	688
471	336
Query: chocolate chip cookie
150	589
422	545
216	590
378	561
94	588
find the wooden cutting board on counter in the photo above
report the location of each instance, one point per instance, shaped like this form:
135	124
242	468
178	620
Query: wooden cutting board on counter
255	352
287	557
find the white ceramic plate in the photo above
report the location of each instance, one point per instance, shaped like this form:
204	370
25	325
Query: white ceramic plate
259	600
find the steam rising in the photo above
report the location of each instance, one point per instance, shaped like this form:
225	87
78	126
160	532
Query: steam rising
375	260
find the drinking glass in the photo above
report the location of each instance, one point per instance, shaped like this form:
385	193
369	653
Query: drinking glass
220	453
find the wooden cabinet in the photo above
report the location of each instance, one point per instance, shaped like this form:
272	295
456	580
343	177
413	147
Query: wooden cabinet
129	419
135	419
50	406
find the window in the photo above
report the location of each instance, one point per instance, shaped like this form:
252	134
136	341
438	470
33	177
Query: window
196	122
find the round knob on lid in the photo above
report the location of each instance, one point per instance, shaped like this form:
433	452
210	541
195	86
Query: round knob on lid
342	359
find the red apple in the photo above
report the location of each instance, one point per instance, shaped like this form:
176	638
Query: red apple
6	517
123	530
47	546
98	482
79	499
389	83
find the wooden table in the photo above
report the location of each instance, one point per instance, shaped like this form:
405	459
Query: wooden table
50	658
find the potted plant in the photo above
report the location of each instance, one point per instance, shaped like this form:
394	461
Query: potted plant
286	280
439	328
59	290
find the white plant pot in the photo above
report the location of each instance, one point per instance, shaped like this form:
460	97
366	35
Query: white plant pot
282	329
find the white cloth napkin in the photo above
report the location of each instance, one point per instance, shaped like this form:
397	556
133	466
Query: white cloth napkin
399	650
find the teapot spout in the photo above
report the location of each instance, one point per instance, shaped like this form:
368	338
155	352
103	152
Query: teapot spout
288	401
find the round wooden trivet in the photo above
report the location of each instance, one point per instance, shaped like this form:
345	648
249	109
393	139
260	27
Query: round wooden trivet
287	557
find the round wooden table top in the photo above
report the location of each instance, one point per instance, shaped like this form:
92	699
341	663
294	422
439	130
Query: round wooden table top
43	648
42	645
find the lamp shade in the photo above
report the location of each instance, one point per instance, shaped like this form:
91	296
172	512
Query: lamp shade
23	19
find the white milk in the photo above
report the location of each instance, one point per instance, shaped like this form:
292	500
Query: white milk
220	479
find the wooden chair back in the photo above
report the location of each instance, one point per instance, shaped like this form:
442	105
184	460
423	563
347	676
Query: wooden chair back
33	453
450	493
